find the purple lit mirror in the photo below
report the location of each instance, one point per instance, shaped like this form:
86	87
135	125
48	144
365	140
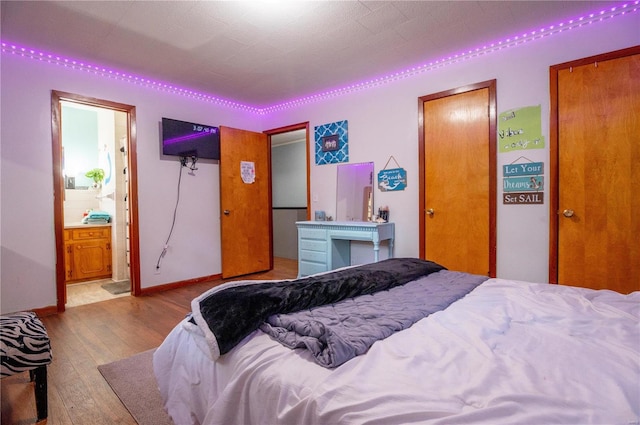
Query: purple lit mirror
355	192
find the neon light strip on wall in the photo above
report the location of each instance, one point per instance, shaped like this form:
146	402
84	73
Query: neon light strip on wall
618	10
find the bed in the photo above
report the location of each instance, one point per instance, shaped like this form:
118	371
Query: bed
497	352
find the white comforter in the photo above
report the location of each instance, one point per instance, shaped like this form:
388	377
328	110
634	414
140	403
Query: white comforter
508	353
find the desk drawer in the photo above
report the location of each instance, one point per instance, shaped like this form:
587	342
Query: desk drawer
312	234
305	269
314	256
313	245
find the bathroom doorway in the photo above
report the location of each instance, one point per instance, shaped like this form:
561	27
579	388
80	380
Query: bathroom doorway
94	200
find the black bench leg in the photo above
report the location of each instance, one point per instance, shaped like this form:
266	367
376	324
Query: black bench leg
40	376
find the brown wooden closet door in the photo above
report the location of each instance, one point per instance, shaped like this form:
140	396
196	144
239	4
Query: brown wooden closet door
456	181
599	171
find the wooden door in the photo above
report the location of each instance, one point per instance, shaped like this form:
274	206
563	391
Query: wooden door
458	179
598	167
245	201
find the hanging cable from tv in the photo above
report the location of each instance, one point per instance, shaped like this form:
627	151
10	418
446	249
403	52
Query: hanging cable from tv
183	164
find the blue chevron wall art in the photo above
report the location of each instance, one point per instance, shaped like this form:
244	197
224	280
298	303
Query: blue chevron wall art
332	143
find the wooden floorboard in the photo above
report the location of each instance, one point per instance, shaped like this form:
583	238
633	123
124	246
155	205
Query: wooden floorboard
84	337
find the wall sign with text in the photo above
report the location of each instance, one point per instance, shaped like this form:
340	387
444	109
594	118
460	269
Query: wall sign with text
392	179
523	183
520	129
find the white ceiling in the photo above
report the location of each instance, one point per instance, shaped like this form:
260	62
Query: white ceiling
264	52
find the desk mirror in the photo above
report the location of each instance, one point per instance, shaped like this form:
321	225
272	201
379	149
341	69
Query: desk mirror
355	192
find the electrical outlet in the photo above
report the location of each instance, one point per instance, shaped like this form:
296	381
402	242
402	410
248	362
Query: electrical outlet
156	271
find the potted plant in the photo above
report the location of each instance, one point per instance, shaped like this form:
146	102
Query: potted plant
97	174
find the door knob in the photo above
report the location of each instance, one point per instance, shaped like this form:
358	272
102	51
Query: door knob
567	213
430	211
226	212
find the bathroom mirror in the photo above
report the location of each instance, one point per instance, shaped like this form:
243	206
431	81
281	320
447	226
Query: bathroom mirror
355	192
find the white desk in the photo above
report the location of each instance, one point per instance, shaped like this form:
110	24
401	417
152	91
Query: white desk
326	245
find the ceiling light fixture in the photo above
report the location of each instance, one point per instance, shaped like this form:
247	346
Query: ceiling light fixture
610	12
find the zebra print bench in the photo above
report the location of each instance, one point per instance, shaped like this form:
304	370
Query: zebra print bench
25	346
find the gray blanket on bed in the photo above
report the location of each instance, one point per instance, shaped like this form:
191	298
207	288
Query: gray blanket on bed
336	333
228	313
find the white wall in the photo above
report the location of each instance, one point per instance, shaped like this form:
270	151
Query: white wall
382	122
27	271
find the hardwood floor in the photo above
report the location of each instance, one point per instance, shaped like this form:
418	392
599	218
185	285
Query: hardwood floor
86	336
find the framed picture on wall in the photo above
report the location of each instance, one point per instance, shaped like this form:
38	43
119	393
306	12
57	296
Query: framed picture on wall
330	143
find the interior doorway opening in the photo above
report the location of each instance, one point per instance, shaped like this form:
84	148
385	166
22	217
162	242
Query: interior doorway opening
289	186
94	143
95	199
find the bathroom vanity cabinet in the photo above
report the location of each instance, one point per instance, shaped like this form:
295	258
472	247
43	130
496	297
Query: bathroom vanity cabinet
87	253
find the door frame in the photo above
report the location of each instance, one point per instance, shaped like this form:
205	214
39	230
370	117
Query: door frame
286	129
491	85
58	187
554	147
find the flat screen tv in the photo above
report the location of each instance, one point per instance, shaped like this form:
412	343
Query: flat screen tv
187	139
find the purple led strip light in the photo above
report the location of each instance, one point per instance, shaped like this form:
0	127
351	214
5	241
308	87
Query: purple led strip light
621	9
119	75
184	138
